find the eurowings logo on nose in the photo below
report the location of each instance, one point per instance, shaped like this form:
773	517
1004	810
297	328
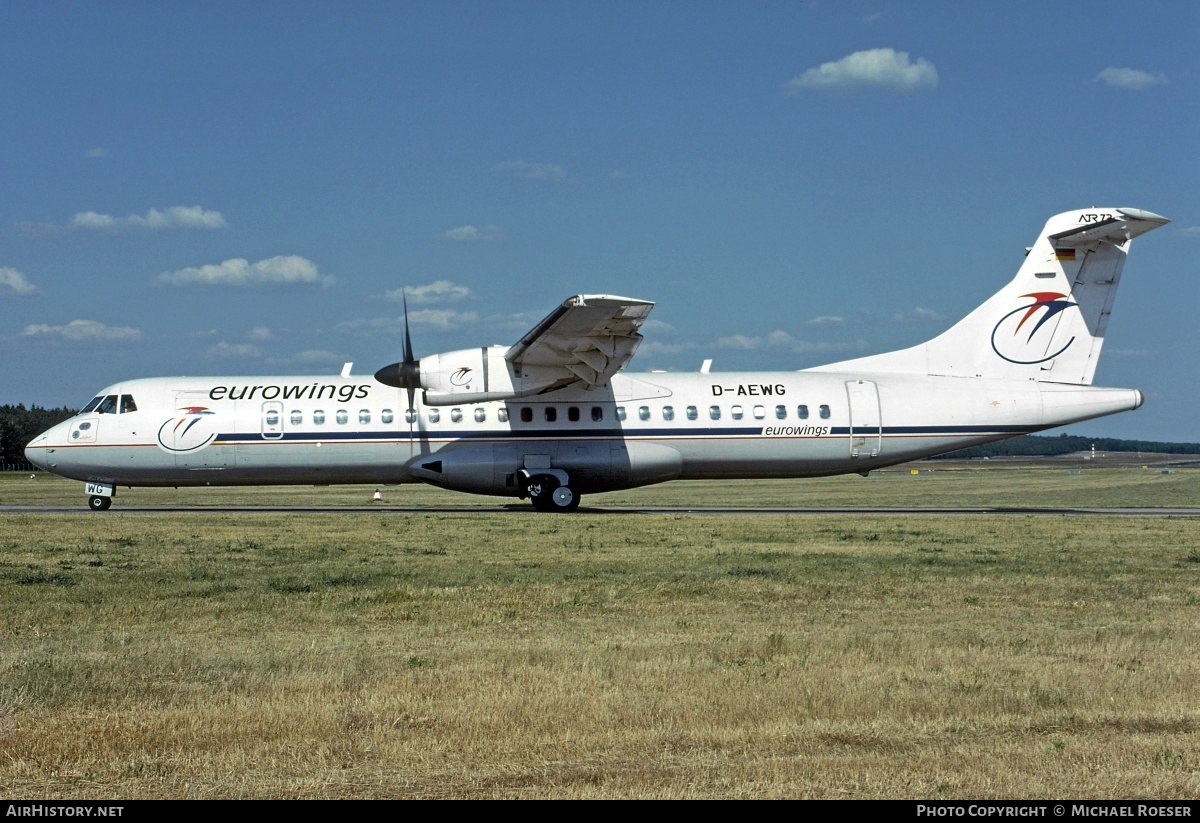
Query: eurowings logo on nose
1019	338
189	430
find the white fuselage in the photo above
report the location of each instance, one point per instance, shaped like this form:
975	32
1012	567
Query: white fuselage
640	429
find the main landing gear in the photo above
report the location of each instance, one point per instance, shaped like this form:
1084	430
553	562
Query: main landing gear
548	493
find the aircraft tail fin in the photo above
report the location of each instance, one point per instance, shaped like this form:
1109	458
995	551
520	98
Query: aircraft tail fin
1048	324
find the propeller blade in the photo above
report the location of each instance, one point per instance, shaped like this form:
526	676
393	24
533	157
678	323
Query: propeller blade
410	370
407	373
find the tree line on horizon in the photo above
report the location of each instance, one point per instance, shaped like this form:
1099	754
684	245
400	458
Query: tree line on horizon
1035	445
19	425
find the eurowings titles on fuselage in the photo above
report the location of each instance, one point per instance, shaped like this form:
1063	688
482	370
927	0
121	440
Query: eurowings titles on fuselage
555	415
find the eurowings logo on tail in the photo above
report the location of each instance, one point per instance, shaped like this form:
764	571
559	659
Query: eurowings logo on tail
182	433
1018	338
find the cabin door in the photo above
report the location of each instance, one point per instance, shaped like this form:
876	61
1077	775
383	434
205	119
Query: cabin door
866	425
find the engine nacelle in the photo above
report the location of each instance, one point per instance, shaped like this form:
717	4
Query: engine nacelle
479	375
497	468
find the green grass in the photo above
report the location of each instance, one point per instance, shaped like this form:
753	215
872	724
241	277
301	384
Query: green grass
1047	485
667	655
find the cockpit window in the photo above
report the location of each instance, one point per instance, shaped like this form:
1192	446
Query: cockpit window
127	404
92	405
108	405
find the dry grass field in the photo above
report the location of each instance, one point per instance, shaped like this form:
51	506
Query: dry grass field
450	655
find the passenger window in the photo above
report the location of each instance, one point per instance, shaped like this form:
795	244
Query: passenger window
272	418
597	413
714	412
342	417
781	412
759	412
364	416
502	415
108	405
127	404
526	414
668	412
410	416
480	414
386	416
435	415
824	412
456	415
297	417
692	413
802	412
573	414
621	413
551	414
736	412
318	418
643	412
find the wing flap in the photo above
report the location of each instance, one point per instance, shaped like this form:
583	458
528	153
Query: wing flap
589	338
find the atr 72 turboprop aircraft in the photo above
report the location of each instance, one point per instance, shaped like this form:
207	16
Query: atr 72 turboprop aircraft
553	416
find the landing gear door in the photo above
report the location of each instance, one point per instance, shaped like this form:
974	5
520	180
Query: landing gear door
866	424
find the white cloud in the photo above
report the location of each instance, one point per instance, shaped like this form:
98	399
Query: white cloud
13	282
259	333
532	171
1129	79
653	326
917	315
440	319
308	359
175	217
84	330
226	351
520	322
474	234
1190	231
739	341
314	356
437	291
827	320
283	270
443	319
780	339
651	348
874	68
96	152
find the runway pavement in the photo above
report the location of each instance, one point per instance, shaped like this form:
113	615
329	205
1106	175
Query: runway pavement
518	509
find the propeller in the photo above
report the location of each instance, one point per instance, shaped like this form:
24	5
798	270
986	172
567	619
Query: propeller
404	375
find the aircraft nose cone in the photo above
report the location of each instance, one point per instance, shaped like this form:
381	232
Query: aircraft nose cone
36	454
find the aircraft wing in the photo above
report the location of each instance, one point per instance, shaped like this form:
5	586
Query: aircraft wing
589	338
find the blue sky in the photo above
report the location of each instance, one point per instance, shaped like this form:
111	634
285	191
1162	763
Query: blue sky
245	188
